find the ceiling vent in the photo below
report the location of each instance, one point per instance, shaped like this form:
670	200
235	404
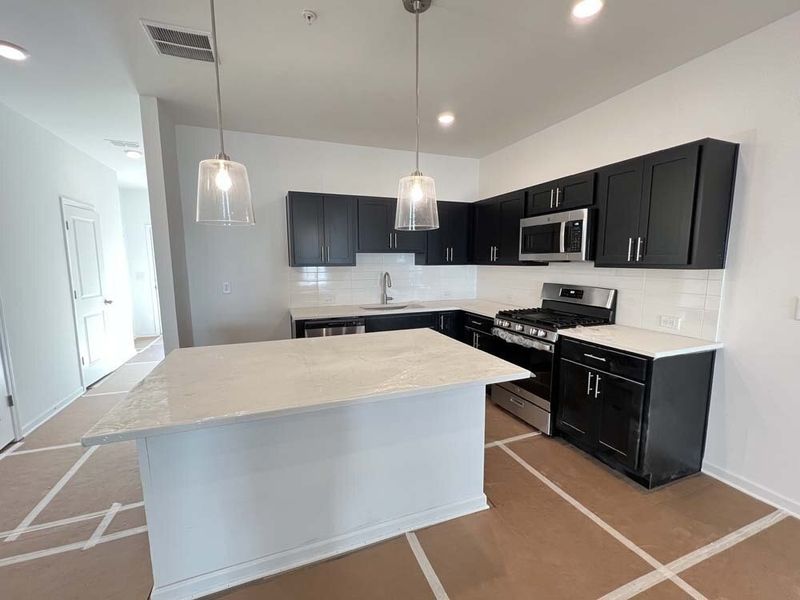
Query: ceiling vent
172	40
124	144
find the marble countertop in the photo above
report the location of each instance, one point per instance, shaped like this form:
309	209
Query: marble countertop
487	308
210	386
645	342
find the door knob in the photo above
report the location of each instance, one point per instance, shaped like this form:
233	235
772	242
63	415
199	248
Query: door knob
108	302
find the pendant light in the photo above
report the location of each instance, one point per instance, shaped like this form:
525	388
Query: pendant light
416	194
223	189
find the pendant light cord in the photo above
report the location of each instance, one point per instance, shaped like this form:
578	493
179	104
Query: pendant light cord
216	73
416	18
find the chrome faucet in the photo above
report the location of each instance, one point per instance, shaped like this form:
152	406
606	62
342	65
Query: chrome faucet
386	282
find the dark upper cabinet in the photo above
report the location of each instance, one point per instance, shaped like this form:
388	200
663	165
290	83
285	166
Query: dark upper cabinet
496	229
376	232
567	193
322	229
619	193
449	245
669	209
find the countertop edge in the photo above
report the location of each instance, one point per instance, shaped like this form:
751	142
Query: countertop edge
456	305
707	346
137	434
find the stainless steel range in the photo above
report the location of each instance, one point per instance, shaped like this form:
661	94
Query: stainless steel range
530	337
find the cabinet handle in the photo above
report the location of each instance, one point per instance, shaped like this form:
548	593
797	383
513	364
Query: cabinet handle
551	198
630	248
638	249
597	386
589	384
395	241
558	195
329	254
390	240
441	321
594	357
449	255
322	252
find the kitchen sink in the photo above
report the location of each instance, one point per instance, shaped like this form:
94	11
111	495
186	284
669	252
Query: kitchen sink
389	306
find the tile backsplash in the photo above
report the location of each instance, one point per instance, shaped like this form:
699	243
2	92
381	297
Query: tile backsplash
683	302
315	286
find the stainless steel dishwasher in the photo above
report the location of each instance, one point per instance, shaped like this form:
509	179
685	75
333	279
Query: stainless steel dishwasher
326	327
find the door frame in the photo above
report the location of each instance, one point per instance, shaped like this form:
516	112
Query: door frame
66	201
155	298
5	357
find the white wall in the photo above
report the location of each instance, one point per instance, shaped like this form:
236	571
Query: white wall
135	207
255	259
36	168
745	92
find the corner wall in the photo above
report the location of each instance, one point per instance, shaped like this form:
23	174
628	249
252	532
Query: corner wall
36	169
744	92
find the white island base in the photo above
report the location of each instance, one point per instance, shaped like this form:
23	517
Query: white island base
233	503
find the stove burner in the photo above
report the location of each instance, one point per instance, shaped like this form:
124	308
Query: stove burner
549	319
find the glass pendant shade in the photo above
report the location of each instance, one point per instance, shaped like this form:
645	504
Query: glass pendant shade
416	204
223	193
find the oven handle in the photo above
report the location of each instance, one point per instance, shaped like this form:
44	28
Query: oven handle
520	340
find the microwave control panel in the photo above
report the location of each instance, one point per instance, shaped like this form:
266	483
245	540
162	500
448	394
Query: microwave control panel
574	236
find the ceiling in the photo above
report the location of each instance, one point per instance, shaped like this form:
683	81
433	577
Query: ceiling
506	68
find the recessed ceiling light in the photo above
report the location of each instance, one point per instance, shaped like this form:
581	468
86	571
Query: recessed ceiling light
12	51
133	154
446	119
587	8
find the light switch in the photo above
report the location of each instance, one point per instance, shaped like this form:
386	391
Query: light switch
226	287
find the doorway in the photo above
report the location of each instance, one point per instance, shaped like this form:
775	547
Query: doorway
7	414
88	285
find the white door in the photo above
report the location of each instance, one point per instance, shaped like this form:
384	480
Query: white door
151	257
87	276
6	424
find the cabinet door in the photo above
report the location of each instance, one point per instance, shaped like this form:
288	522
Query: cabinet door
665	222
577	409
620	404
340	230
408	241
374	216
511	208
619	194
576	191
540	199
457	232
486	231
306	229
449	324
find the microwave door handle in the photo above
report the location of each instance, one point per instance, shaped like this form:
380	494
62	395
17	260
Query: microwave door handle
562	244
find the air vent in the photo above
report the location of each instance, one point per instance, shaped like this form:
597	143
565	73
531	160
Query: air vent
171	40
124	144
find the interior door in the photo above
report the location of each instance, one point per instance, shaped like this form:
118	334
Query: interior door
619	193
665	224
87	278
6	422
151	257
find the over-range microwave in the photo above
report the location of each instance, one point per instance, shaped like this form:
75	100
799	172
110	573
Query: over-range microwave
558	237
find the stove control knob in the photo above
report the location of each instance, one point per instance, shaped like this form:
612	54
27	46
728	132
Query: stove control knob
519	327
506	323
542	333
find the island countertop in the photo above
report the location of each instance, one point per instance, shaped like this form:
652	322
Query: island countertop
209	386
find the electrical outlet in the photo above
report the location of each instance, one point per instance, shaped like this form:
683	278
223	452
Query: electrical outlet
670	322
226	287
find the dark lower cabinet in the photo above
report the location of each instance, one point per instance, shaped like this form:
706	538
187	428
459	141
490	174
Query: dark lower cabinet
450	323
644	417
404	321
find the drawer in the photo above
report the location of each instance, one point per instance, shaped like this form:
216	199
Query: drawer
528	412
479	323
605	359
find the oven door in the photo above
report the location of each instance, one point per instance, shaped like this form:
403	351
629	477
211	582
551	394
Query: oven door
537	357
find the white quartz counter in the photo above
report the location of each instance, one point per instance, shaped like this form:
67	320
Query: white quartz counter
487	308
640	341
215	385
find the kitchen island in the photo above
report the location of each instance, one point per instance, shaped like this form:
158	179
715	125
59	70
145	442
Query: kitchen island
257	458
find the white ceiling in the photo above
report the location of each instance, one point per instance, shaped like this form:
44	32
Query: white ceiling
507	68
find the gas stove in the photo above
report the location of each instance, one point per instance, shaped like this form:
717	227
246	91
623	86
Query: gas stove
562	307
531	334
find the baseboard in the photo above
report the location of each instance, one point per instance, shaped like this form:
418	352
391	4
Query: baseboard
753	489
30	427
229	577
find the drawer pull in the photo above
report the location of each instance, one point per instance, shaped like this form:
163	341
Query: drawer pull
595	357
